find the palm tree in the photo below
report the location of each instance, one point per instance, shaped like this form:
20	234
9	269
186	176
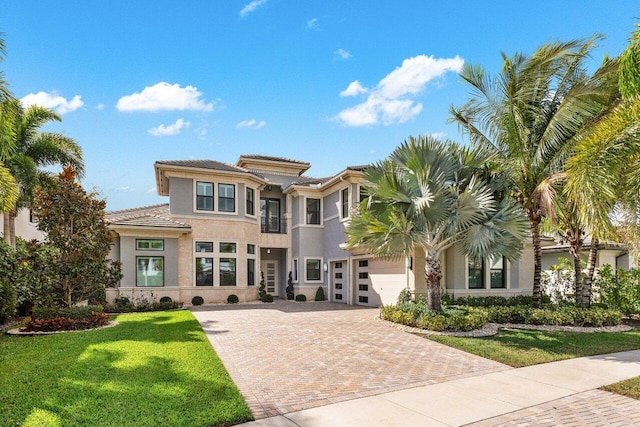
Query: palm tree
429	195
603	174
33	150
8	186
531	115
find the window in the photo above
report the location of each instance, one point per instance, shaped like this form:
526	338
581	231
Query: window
313	211
226	197
338	276
251	272
363	194
338	265
204	196
363	263
149	271
270	216
344	196
149	245
227	271
363	299
363	275
313	269
497	276
251	249
204	264
295	269
250	203
227	248
476	273
338	286
338	296
363	287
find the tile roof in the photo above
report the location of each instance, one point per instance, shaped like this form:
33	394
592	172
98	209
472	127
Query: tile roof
203	164
273	159
360	168
146	216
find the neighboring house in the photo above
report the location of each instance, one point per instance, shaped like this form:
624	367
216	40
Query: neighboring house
26	226
226	226
614	254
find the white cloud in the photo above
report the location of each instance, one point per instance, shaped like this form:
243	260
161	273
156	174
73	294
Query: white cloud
164	96
311	24
126	188
251	7
391	101
168	130
151	190
354	88
100	107
251	124
342	54
53	101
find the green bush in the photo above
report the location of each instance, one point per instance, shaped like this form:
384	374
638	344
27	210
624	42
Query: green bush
66	319
301	297
320	294
555	315
404	296
8	266
232	299
165	299
508	314
491	301
450	319
142	306
197	300
432	322
620	291
267	298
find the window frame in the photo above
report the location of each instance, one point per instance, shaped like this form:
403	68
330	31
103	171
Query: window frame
227	245
320	278
223	200
294	268
251	278
150	248
308	213
344	204
205	197
149	258
206	255
482	272
235	270
503	270
250	202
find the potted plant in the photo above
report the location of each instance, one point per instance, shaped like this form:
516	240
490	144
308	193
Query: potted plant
289	288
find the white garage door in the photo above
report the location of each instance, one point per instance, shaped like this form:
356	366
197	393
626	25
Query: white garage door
378	282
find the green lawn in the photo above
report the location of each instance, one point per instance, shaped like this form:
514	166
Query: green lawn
519	348
630	388
152	369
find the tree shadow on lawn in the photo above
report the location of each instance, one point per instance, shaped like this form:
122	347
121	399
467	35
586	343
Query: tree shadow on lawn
168	375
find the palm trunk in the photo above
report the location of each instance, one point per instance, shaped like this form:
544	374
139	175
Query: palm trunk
537	261
588	278
12	228
575	248
5	228
433	275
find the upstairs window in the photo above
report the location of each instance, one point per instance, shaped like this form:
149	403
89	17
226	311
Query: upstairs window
250	203
344	200
226	197
204	196
149	244
313	211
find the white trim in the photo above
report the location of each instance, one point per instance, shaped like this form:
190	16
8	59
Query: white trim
331	218
216	195
321	213
321	270
349	199
506	268
255	208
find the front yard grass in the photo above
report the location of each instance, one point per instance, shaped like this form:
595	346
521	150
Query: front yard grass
520	348
152	369
629	388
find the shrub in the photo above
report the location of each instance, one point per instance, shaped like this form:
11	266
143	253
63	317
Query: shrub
320	294
431	321
289	288
267	298
301	297
8	267
508	314
143	306
121	301
165	299
555	315
558	283
66	319
197	300
450	319
232	299
404	296
620	291
490	301
262	289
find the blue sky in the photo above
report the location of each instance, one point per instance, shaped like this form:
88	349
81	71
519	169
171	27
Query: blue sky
333	83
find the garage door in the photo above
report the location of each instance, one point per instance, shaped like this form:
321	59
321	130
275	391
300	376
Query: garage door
378	282
339	281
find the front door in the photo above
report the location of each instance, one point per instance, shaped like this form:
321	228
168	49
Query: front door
339	281
270	271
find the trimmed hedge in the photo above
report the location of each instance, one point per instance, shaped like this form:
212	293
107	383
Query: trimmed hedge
320	294
66	319
142	306
455	319
197	300
267	298
555	315
301	297
232	299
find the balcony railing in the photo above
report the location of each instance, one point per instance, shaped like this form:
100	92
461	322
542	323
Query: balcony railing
273	225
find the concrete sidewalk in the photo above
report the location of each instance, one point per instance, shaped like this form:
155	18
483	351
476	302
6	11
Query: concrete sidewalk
557	393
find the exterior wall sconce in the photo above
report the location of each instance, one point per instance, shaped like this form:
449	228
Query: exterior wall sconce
268	250
326	267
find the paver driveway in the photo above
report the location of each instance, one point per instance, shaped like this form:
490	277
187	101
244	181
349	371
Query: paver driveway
289	356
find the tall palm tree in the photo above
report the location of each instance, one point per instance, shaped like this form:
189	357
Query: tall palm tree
531	114
603	173
8	185
32	151
429	195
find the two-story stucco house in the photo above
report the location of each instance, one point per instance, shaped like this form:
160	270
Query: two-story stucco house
226	226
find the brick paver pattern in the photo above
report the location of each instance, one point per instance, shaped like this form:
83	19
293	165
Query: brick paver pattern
588	409
292	356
